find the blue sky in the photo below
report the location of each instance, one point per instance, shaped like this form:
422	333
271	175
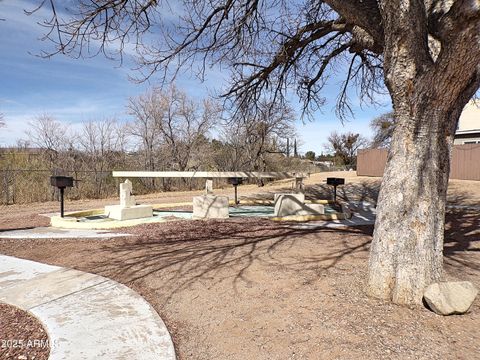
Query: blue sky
78	90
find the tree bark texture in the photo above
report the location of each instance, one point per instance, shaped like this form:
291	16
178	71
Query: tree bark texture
428	96
407	251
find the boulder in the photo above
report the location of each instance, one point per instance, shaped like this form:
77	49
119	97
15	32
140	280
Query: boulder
452	297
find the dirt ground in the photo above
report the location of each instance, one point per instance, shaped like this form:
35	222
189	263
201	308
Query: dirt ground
22	336
254	289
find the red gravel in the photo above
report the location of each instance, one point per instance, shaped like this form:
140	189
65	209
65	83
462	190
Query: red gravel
22	336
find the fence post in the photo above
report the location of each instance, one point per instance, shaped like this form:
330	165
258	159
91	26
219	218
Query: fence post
5	182
14	186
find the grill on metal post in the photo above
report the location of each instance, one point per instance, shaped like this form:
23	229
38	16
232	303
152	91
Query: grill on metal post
61	182
235	182
335	182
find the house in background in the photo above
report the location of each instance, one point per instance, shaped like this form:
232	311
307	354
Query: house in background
468	131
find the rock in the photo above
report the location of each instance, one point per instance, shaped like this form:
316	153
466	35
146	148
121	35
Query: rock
452	297
210	207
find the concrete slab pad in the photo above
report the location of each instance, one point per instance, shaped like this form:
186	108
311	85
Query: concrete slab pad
57	233
251	211
47	287
73	222
363	214
12	271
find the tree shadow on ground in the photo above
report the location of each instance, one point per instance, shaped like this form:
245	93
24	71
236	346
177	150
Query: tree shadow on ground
359	191
362	191
23	222
184	252
462	237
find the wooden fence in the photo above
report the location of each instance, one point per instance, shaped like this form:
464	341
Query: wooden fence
371	162
464	165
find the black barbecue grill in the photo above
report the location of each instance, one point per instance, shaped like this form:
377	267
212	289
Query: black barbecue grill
335	182
235	182
61	182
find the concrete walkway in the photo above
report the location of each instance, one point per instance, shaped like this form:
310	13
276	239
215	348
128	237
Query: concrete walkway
86	316
55	233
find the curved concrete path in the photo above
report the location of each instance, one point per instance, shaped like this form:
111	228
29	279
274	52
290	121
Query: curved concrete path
48	232
86	316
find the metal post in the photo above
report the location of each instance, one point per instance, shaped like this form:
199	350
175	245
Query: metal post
335	194
61	201
236	201
5	181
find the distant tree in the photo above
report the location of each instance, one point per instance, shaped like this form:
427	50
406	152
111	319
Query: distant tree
185	126
253	133
382	127
50	135
310	155
325	157
101	145
223	155
169	126
345	146
144	128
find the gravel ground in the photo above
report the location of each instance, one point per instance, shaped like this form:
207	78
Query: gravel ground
254	289
22	336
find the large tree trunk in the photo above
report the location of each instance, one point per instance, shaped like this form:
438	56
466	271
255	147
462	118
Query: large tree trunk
428	94
407	251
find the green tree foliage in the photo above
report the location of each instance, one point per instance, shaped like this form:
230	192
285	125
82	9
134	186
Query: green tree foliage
310	155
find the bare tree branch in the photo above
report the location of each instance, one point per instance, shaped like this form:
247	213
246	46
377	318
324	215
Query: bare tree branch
270	46
274	47
366	16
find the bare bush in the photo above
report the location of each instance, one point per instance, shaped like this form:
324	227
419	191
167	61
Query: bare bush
383	127
345	147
